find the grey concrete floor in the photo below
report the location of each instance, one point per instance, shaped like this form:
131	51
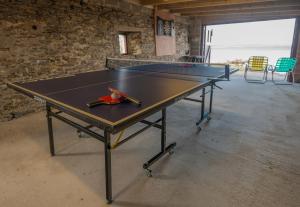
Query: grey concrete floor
247	155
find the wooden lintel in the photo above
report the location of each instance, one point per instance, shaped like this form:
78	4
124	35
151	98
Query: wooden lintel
282	11
261	5
208	3
159	2
230	20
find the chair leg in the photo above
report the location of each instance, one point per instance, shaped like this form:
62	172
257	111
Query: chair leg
262	81
265	75
285	77
284	82
245	73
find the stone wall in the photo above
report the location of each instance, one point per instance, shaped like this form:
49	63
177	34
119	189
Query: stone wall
47	38
195	36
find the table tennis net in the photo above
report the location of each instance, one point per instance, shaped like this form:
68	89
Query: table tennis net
157	66
114	63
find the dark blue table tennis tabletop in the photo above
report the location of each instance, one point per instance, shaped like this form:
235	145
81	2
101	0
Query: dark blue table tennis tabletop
152	84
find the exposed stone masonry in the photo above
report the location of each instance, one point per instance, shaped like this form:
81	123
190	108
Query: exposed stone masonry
40	39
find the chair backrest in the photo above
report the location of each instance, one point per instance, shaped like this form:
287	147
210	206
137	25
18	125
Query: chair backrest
285	64
258	63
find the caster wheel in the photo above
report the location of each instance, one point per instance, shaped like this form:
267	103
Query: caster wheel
79	134
148	172
208	118
171	152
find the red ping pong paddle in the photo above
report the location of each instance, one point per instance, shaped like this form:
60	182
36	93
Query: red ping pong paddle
105	100
115	98
121	94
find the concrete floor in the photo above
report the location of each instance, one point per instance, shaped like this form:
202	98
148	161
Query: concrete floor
247	155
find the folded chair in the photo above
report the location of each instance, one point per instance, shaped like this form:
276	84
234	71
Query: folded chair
257	64
286	66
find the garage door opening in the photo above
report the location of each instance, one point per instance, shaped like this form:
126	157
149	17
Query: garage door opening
237	42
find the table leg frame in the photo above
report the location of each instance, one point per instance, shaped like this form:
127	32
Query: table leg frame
108	177
206	115
50	130
164	150
106	139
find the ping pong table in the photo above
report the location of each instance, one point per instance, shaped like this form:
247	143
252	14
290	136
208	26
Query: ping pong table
156	84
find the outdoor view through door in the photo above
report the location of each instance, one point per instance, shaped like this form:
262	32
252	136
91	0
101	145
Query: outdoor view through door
237	42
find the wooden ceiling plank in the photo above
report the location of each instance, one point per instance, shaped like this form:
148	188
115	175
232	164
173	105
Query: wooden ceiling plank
162	2
238	7
286	12
243	11
213	21
208	3
294	14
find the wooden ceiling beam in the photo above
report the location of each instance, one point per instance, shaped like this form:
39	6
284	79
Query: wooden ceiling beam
241	19
162	2
261	5
209	3
283	10
245	11
248	16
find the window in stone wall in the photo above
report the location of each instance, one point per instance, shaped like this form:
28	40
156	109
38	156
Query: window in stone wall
130	43
123	44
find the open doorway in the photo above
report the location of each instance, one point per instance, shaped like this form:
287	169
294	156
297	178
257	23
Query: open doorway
237	42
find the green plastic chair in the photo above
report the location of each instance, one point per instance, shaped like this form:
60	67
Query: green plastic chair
257	64
284	65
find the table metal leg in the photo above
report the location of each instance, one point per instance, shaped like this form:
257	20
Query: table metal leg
164	149
163	130
211	97
206	115
108	178
50	130
203	104
202	116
